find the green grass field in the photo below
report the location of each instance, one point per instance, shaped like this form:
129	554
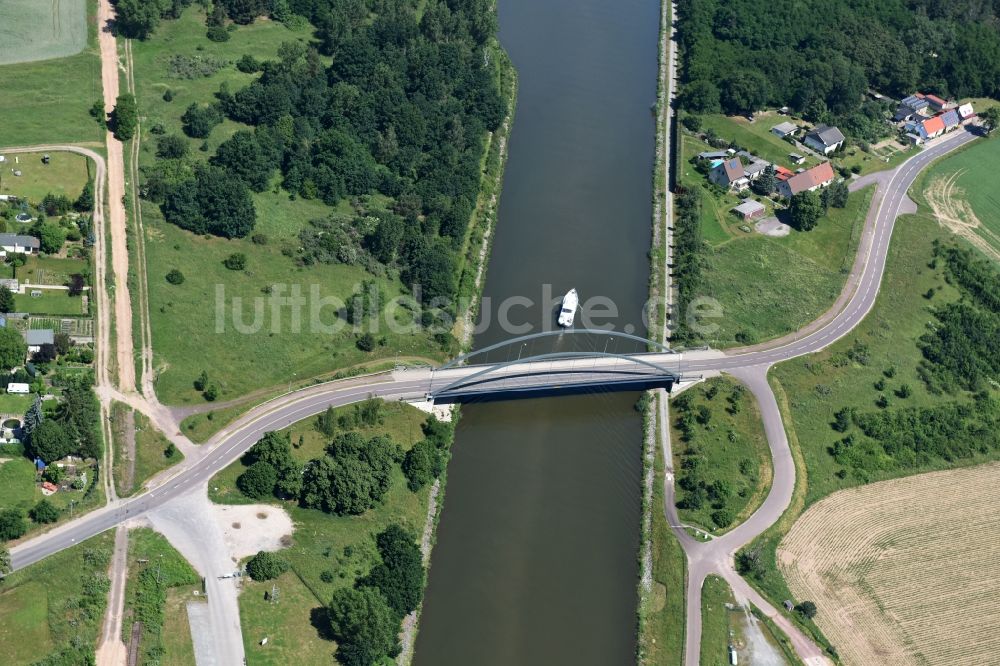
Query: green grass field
49	101
341	545
46	607
756	137
50	302
15	404
184	318
715	624
768	286
965	170
730	448
65	174
178	647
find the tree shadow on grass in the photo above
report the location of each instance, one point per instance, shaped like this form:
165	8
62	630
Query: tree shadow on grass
319	618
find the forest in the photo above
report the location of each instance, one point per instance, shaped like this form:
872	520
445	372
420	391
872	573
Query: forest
819	58
401	112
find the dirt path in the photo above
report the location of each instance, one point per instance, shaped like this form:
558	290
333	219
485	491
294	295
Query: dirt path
117	220
112	650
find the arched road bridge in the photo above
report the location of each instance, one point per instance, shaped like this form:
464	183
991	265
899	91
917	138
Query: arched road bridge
559	371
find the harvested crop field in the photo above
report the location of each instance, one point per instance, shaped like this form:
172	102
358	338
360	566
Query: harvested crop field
41	29
964	199
904	571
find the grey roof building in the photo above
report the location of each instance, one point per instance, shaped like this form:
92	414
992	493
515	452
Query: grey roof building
825	138
36	337
19	243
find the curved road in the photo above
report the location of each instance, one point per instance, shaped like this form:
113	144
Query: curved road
234	440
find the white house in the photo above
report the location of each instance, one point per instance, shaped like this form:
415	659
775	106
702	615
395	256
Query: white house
17	387
825	139
19	244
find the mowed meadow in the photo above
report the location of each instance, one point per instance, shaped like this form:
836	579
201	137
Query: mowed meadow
905	571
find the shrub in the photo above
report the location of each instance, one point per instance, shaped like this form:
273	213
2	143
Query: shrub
217	33
175	277
236	261
12	525
266	566
44	512
258	480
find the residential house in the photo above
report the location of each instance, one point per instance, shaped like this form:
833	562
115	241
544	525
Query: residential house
825	139
935	103
819	176
729	173
749	209
785	129
930	128
18	244
36	337
951	120
913	106
966	113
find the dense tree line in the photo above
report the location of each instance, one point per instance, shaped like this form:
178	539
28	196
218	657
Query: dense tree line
688	261
819	57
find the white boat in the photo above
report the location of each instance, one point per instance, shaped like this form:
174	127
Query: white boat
567	313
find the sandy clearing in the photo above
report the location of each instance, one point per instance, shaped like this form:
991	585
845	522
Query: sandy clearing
770	226
904	571
954	213
247	529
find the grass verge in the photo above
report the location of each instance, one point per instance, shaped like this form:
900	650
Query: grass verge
716	598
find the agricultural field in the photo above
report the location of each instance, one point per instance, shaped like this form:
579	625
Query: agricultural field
327	552
192	321
720	453
35	30
904	571
48	101
66	174
768	286
56	606
962	200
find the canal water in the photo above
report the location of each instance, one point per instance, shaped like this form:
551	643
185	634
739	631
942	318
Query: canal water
537	547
